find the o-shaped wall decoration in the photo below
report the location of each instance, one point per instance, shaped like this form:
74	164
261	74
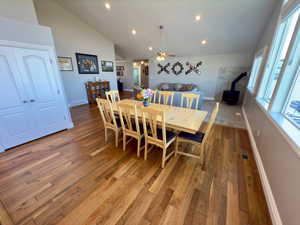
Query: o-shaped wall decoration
177	68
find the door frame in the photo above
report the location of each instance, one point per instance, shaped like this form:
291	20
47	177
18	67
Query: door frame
58	78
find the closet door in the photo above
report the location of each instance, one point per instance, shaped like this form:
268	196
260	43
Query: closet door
16	122
42	87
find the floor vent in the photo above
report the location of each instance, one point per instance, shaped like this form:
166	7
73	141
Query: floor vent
245	155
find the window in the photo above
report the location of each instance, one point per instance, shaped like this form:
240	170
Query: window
278	56
256	69
292	107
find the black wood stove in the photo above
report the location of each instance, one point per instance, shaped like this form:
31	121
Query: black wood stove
231	97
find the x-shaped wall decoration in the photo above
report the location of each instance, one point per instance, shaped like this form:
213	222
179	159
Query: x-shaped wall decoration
163	68
193	68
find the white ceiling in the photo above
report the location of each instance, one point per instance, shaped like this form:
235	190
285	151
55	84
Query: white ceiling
229	26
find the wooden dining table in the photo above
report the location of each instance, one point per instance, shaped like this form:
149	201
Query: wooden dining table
178	118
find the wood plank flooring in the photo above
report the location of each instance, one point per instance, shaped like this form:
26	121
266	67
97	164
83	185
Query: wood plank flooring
75	178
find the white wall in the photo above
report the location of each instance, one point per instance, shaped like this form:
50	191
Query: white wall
208	80
22	10
279	160
71	35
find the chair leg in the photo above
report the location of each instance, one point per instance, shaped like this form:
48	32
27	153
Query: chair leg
117	139
176	146
138	147
145	150
164	158
105	134
124	142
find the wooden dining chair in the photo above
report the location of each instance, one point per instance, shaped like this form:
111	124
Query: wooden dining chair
130	125
113	96
165	97
189	99
155	96
109	119
199	139
157	136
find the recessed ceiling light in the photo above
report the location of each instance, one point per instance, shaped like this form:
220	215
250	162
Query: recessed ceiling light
198	17
107	6
142	62
150	48
133	32
204	42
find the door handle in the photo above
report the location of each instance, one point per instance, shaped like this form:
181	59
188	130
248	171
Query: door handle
32	100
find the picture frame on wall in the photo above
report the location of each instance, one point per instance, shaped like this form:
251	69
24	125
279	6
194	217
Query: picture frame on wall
107	66
87	64
65	63
120	70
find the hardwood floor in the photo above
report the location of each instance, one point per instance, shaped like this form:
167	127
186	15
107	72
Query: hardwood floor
74	178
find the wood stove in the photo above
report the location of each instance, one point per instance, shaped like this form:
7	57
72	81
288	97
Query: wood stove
231	97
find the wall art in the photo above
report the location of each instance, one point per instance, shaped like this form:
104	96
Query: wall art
192	68
87	64
107	66
177	68
163	68
65	63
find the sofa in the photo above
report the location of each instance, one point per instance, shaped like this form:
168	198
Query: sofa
178	89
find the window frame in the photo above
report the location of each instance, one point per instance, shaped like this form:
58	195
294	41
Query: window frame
273	56
284	108
275	110
261	53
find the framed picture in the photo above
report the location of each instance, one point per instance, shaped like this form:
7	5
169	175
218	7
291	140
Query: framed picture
107	66
65	63
120	68
87	64
120	71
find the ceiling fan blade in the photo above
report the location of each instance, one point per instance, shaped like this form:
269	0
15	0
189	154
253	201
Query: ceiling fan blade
171	55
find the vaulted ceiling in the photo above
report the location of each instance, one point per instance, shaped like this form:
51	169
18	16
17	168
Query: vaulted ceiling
229	26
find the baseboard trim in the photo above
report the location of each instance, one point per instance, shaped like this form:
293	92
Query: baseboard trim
209	98
128	90
76	103
273	210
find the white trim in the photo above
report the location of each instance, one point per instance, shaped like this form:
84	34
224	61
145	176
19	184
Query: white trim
128	89
77	103
275	216
209	98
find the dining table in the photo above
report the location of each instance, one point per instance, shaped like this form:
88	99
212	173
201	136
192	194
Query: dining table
177	118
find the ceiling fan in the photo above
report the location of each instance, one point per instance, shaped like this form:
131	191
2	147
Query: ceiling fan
162	55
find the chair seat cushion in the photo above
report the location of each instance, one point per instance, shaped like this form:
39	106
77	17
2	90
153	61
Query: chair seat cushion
198	137
169	135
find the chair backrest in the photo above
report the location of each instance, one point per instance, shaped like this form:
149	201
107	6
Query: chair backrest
106	112
211	122
151	119
129	117
112	96
189	99
155	95
166	97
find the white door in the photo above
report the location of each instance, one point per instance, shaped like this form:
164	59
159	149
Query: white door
43	90
16	125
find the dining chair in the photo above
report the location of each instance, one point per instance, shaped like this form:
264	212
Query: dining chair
109	119
130	125
165	97
189	99
155	96
113	96
157	136
199	139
